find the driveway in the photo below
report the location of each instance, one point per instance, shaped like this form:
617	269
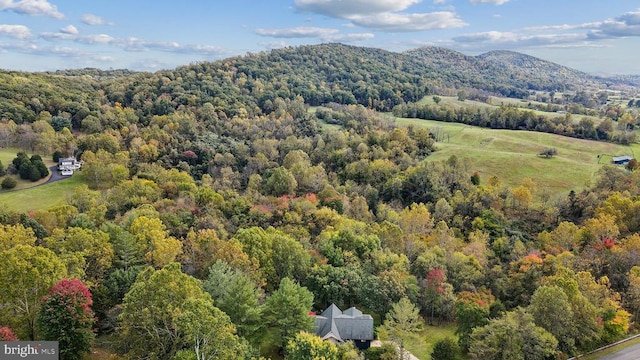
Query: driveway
55	175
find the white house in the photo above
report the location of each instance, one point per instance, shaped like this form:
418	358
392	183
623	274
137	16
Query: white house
68	165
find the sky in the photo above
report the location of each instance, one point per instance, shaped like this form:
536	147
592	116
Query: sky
595	36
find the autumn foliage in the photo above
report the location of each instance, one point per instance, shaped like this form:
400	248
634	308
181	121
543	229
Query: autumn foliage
66	316
6	334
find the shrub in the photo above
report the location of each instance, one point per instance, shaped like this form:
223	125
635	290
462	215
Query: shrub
34	173
445	349
385	352
548	152
25	170
9	183
42	168
56	155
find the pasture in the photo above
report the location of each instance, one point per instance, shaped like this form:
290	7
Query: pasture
494	102
512	155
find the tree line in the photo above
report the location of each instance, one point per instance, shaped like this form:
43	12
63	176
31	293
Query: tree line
512	118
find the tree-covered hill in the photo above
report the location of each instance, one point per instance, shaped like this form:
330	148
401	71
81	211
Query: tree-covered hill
526	71
217	207
320	74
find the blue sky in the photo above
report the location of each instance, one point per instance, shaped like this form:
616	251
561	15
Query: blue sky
596	36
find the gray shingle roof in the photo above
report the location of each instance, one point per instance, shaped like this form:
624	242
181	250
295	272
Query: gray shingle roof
349	325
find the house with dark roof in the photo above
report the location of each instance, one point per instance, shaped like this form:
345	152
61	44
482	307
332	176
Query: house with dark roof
351	325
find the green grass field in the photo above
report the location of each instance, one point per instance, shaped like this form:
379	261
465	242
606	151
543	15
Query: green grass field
495	102
41	197
421	344
512	156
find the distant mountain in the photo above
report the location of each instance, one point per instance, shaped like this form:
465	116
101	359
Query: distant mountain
320	74
630	80
506	69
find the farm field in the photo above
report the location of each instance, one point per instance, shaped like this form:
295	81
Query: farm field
512	155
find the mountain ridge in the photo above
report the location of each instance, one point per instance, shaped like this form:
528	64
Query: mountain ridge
320	74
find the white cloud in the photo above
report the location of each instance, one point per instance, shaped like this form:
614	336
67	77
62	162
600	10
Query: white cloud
347	8
69	29
323	34
91	19
132	43
625	25
564	27
396	22
31	7
15	31
63	51
135	44
57	36
495	2
298	32
352	38
95	39
383	15
84	39
504	40
553	36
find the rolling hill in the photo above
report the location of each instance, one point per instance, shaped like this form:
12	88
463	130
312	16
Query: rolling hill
318	73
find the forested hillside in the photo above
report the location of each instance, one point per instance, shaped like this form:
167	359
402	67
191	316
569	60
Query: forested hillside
221	202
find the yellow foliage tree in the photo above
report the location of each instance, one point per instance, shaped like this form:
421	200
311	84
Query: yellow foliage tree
154	241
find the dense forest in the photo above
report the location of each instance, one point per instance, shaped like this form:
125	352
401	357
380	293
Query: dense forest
221	202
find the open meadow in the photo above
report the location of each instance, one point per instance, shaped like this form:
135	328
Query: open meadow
512	155
495	102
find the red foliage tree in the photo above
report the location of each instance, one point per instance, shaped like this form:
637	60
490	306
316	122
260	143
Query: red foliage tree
435	278
6	334
66	316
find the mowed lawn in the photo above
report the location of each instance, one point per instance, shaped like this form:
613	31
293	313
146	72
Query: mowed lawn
421	344
41	197
512	155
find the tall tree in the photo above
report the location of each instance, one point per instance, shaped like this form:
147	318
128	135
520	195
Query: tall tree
66	316
151	325
235	293
207	332
514	336
552	311
93	248
26	274
401	321
287	309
